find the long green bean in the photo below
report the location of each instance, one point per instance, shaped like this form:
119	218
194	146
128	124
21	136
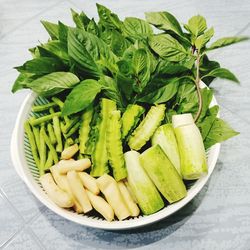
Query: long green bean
72	130
51	132
35	130
58	101
42	149
50	146
40	108
43	119
49	161
34	149
69	123
57	130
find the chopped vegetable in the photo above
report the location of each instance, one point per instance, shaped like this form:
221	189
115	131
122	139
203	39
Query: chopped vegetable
33	146
43	119
69	152
165	137
57	130
147	127
131	205
49	144
49	161
69	165
111	191
57	195
78	191
52	135
163	174
147	196
130	118
62	182
89	182
100	157
44	107
42	150
191	147
114	146
101	206
85	128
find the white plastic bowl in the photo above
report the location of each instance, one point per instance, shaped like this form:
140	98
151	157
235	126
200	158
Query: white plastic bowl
23	169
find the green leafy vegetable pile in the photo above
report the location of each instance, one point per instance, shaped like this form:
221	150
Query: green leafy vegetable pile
135	61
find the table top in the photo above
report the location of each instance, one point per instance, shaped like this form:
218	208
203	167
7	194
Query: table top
217	218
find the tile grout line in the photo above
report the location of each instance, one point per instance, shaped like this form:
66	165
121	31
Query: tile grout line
24	224
27	20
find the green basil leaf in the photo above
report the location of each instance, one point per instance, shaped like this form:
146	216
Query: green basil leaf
141	66
222	73
116	41
81	97
202	40
125	83
81	20
54	48
81	55
108	19
111	90
196	25
53	83
51	28
63	33
93	27
225	41
220	131
208	121
164	21
205	67
168	48
162	94
186	99
34	52
140	60
41	66
22	81
170	68
136	29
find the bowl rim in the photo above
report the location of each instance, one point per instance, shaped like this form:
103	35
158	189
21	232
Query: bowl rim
21	167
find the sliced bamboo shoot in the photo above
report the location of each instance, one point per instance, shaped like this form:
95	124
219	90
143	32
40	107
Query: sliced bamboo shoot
132	207
69	152
101	206
62	182
78	190
89	183
57	195
111	191
69	165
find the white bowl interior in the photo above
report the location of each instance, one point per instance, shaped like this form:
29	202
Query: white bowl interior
24	165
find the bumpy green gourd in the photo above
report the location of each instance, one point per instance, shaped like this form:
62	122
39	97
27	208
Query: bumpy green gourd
114	146
147	127
100	156
85	128
130	118
163	174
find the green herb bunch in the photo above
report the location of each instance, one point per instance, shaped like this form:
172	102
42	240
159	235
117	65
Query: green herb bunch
146	62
